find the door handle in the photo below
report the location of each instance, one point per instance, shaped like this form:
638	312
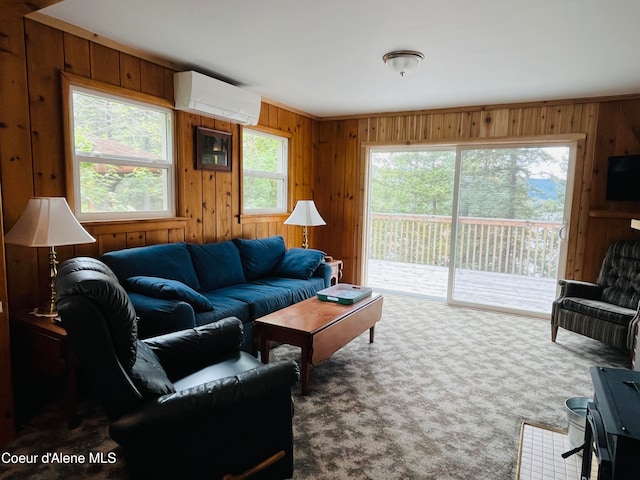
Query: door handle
562	232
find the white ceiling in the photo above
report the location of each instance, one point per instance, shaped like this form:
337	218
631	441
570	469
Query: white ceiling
324	57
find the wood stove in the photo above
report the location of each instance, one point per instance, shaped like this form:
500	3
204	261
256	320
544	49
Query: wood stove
612	430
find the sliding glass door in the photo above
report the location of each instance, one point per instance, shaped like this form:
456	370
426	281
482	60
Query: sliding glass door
510	224
410	210
478	225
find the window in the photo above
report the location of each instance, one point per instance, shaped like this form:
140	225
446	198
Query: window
264	169
122	153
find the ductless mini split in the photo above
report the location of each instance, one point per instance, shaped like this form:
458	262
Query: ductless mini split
202	95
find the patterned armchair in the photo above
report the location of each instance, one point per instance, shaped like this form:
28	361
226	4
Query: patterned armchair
606	310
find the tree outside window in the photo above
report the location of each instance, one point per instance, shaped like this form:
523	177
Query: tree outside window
123	157
264	170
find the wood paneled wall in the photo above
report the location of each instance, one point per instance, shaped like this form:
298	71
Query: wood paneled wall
618	133
13	87
328	160
607	128
32	158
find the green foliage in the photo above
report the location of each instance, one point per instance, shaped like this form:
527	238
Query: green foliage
260	153
260	193
418	182
519	184
263	165
123	132
110	188
494	183
141	132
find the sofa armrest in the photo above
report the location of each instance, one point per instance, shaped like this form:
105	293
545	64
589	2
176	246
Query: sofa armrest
576	288
157	316
324	271
186	351
175	415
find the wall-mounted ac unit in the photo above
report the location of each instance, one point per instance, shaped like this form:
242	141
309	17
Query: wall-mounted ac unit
202	95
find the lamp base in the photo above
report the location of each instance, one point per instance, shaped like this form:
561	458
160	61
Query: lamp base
50	311
47	313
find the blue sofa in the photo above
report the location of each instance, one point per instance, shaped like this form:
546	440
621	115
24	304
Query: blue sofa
176	286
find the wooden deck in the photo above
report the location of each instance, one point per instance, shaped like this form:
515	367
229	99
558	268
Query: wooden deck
501	290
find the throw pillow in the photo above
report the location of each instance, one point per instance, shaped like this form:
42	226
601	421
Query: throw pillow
216	264
299	263
260	257
169	290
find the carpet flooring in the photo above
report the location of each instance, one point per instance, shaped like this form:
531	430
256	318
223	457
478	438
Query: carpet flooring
441	394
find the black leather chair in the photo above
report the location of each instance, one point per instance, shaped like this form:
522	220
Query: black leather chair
188	404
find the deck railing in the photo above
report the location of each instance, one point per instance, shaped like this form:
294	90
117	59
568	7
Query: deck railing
529	248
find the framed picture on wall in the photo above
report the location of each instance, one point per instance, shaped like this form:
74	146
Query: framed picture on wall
213	149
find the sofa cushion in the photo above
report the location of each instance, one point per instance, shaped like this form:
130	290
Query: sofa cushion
168	260
602	310
223	307
300	289
262	299
169	290
298	263
260	257
216	264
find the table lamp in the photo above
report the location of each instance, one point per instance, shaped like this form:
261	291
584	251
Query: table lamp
305	214
48	222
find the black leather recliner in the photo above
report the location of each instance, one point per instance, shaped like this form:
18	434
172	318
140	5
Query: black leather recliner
188	404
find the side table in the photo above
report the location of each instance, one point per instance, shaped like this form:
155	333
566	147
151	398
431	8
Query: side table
336	270
43	346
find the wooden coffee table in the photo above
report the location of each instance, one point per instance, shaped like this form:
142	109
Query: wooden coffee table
319	328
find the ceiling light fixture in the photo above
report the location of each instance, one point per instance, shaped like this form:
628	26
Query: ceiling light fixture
403	61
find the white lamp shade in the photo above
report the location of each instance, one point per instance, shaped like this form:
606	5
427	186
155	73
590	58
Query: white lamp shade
46	222
305	214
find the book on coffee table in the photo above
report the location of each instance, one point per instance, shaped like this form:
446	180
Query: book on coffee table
344	293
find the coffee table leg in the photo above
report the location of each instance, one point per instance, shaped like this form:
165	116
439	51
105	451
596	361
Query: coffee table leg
305	369
371	333
264	349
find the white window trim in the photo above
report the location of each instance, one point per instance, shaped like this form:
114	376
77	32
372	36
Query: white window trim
285	138
73	83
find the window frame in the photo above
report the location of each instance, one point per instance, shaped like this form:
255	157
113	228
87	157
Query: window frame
283	136
71	82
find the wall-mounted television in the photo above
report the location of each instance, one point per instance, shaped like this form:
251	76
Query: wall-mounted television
623	178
